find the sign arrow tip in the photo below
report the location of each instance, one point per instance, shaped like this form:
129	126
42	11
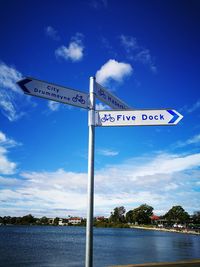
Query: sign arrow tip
22	84
176	117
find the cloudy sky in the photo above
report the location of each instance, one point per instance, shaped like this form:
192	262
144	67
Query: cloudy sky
144	52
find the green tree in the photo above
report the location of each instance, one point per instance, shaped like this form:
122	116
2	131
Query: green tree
196	217
28	219
18	220
177	214
13	220
44	220
118	215
140	215
56	220
129	216
6	220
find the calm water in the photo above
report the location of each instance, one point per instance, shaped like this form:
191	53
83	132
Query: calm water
35	246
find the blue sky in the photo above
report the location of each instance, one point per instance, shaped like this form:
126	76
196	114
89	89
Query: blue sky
144	52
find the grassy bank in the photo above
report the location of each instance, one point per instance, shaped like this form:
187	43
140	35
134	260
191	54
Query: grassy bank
111	225
153	228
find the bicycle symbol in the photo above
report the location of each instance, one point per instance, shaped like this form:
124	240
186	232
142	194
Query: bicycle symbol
78	98
107	117
101	93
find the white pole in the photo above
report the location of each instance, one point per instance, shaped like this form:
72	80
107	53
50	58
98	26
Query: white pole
90	203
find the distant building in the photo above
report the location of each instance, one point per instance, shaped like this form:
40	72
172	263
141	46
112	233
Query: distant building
100	218
159	221
154	219
62	222
51	220
74	220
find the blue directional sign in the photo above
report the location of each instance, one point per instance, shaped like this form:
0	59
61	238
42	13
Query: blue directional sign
54	92
137	117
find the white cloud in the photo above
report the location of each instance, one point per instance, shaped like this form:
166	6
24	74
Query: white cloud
52	33
194	107
171	186
155	179
8	77
114	70
2	137
161	180
69	181
145	58
53	106
129	43
6	166
137	52
144	173
74	51
101	106
9	181
51	191
168	164
107	152
10	92
8	107
194	140
191	141
5	141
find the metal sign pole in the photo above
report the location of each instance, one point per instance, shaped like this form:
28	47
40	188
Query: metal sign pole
90	203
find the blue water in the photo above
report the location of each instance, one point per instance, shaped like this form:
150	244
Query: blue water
35	246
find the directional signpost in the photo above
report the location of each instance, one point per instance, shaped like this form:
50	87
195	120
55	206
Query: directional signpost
121	116
137	117
54	92
108	98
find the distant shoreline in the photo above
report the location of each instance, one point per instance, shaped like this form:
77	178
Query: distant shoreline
181	231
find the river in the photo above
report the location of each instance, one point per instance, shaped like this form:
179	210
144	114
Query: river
48	246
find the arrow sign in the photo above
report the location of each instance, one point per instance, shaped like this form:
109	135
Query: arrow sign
137	117
109	99
53	92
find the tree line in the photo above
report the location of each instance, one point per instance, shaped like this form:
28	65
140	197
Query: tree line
141	215
26	220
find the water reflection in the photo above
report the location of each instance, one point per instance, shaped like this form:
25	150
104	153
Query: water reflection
65	246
